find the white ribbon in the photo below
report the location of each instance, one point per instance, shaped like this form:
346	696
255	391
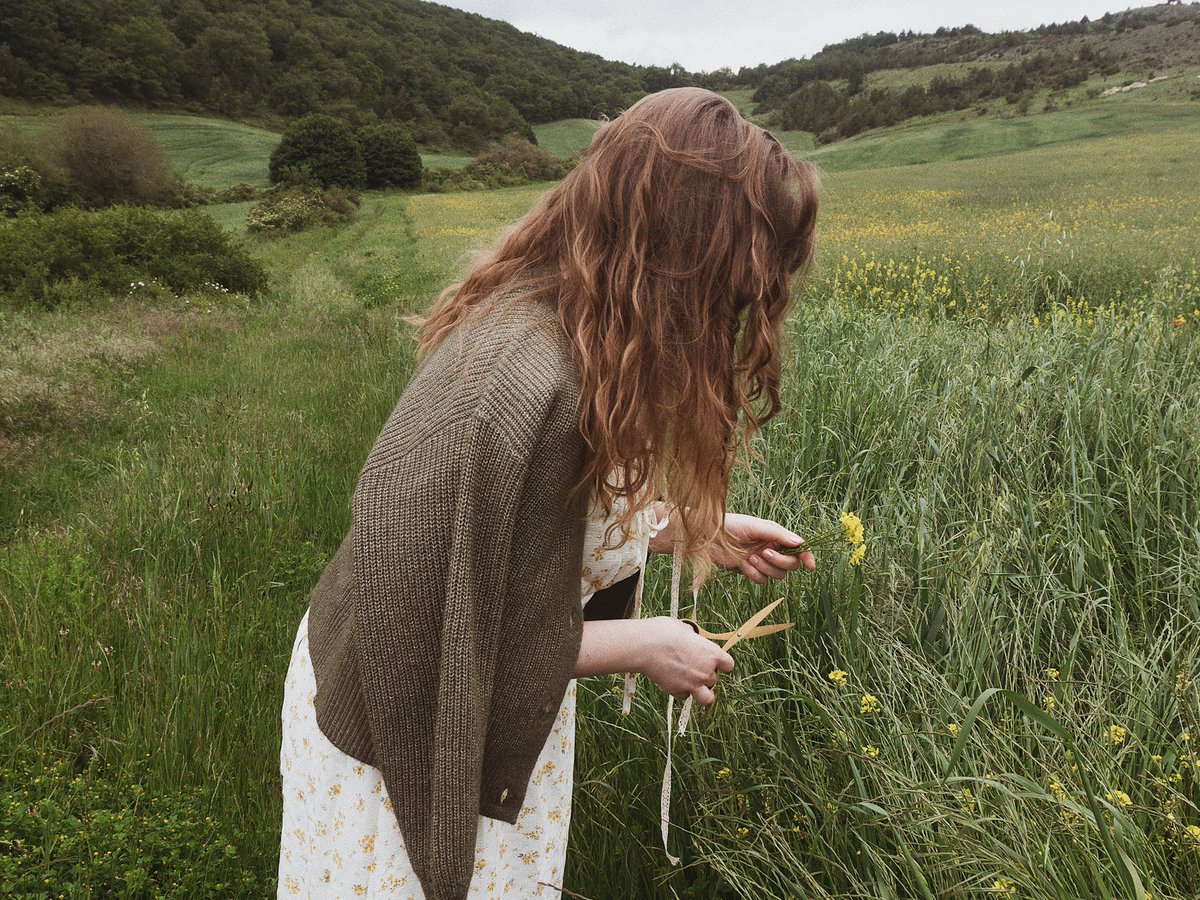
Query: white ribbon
631	678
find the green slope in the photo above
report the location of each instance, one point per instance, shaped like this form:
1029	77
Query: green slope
968	137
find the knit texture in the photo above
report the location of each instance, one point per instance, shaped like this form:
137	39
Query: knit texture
446	628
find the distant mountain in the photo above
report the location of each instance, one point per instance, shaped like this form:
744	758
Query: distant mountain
456	78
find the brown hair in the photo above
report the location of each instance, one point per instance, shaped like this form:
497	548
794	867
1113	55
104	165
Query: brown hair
668	252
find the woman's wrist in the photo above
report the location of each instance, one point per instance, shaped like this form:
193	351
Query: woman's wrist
611	646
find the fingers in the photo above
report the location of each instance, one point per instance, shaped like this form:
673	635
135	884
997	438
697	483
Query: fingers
704	695
725	662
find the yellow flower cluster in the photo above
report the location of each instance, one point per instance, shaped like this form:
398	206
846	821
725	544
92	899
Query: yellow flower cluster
852	530
852	527
1116	735
869	705
1003	886
1192	833
838	677
1119	798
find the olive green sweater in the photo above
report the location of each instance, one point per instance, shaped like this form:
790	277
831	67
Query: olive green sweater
445	630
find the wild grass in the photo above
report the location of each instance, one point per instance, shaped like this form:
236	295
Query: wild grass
1031	583
564	137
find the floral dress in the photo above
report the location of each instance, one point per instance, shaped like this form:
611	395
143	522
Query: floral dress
339	836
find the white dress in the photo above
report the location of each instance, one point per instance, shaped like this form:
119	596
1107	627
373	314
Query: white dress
339	836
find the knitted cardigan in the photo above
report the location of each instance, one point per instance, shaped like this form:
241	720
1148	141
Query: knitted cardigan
445	630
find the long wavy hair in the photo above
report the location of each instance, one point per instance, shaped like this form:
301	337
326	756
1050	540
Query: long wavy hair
669	253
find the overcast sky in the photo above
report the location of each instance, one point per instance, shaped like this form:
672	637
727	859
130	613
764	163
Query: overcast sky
702	35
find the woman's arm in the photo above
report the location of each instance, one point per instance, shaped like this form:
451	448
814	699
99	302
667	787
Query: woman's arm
663	648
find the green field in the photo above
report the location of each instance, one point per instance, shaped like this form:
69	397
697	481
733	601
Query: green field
996	363
214	152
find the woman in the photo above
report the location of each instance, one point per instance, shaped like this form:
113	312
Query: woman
575	407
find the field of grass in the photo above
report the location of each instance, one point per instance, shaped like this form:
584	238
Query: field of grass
564	137
996	363
965	135
215	152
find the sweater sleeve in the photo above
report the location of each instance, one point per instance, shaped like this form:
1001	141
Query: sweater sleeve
433	576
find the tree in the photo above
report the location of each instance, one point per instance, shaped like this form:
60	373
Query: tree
325	145
111	156
390	156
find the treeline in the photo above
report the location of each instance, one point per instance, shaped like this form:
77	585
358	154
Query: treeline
458	80
833	113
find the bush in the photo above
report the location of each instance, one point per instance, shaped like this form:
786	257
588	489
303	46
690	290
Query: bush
19	151
110	156
534	162
390	156
20	188
98	832
237	193
286	208
326	146
512	162
41	253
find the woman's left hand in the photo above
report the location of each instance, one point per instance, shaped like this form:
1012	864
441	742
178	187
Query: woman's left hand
762	561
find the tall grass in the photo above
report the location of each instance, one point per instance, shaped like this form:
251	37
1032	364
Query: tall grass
1029	492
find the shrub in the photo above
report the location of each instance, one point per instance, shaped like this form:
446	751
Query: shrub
114	247
237	193
511	162
285	208
390	156
325	145
186	194
110	156
20	188
533	162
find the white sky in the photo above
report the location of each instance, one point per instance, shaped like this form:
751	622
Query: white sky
702	35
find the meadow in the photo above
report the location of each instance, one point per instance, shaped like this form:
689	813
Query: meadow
994	362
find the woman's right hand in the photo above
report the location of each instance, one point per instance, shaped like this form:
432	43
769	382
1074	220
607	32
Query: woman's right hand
680	661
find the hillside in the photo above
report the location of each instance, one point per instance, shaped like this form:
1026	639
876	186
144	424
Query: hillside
457	79
879	80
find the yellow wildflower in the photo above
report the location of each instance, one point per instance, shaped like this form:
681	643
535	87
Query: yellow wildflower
742	832
968	800
838	677
856	556
1116	735
1052	673
870	751
1003	886
869	705
1049	703
1119	798
852	528
725	774
953	729
1192	833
